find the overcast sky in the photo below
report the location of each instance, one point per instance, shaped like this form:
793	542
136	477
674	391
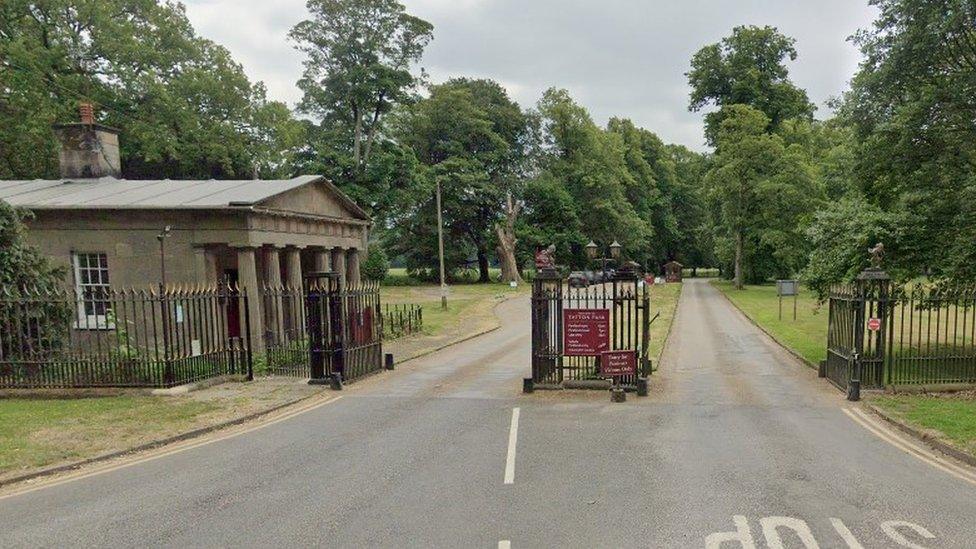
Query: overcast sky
617	57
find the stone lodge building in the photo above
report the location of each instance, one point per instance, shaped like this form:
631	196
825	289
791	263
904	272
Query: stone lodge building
249	232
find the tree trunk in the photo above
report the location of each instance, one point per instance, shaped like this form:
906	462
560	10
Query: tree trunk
505	230
738	260
484	276
372	129
357	137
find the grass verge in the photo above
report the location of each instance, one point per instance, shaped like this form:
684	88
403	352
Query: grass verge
952	417
41	432
466	304
664	300
807	335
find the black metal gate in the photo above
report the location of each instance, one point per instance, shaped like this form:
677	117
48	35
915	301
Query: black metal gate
344	326
628	305
858	325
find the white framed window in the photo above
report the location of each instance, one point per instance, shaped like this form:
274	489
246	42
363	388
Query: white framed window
92	291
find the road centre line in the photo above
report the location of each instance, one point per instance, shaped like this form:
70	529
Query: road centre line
176	449
909	447
512	442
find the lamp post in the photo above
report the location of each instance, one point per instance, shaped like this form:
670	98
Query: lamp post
161	237
591	253
440	246
168	372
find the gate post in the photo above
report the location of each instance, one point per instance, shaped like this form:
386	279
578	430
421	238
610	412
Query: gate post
547	305
874	290
870	326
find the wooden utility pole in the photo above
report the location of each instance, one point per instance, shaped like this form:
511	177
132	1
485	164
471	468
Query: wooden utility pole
440	246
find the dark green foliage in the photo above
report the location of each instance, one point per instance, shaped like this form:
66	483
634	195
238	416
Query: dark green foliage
21	265
27	275
377	264
911	107
185	107
747	68
840	237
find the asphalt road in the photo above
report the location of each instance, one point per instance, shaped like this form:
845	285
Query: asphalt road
737	438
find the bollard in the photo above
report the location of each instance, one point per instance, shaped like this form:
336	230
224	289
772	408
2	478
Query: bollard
642	387
336	381
528	385
854	390
389	361
617	394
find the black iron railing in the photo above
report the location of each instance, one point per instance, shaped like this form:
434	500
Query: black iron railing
888	335
401	320
336	328
627	305
122	338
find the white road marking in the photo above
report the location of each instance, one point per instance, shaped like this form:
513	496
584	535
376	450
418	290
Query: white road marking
170	450
799	527
512	442
908	447
742	534
504	544
771	526
890	528
846	534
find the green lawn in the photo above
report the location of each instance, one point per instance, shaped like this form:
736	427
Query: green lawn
807	335
664	300
470	303
36	433
952	415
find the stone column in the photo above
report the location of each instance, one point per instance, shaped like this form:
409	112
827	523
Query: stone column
339	264
296	305
204	266
247	274
352	267
323	260
275	304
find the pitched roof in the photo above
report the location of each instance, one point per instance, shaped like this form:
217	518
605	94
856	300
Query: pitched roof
111	193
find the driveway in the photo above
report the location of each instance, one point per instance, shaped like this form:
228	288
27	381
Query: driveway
737	441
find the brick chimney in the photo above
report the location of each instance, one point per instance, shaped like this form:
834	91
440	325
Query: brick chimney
88	150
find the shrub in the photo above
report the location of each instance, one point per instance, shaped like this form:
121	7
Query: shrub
377	264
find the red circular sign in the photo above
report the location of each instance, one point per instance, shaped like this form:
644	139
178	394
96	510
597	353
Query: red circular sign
874	324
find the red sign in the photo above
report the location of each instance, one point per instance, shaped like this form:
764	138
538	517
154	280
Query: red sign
874	324
586	332
618	363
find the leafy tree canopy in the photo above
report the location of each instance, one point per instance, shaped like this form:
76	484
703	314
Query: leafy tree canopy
184	106
747	68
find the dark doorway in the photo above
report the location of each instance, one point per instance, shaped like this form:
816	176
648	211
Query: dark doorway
233	305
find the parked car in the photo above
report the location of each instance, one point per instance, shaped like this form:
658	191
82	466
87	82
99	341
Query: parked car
577	279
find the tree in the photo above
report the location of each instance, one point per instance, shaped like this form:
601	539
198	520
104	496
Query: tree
747	68
184	106
762	192
590	164
911	109
840	236
22	265
358	66
24	272
471	134
652	190
695	246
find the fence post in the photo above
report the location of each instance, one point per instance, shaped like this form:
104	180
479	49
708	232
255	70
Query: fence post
873	293
169	376
546	303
